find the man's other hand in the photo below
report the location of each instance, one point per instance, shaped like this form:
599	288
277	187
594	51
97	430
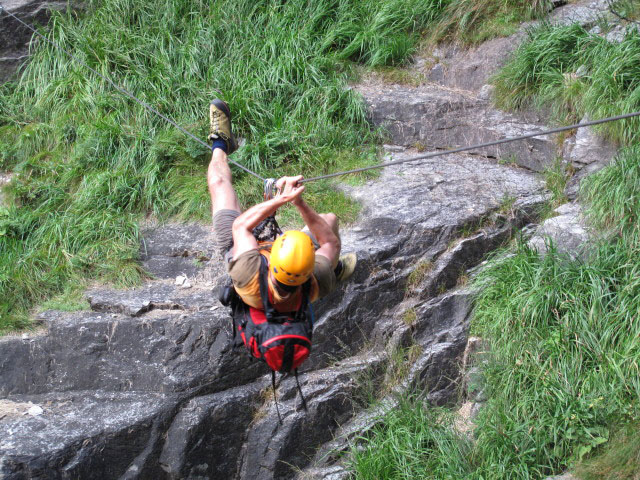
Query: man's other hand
289	189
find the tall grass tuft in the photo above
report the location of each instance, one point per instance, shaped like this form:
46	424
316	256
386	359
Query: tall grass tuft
89	162
565	338
413	441
576	73
474	21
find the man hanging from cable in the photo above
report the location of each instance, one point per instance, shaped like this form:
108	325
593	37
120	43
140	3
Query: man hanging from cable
300	264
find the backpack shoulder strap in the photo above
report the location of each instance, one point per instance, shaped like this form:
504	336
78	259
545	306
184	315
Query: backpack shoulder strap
269	311
302	313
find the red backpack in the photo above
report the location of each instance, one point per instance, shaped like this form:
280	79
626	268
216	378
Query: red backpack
281	340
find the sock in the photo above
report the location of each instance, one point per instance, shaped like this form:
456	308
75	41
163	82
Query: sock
219	143
338	269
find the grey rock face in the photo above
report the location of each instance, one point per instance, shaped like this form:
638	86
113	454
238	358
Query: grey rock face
174	250
567	232
587	153
588	148
440	118
440	333
470	69
208	432
585	12
85	434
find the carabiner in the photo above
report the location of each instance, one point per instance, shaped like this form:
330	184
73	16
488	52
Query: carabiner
269	188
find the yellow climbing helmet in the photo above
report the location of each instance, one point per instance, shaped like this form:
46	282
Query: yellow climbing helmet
292	258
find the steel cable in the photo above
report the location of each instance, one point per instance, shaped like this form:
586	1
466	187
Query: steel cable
473	147
336	174
126	92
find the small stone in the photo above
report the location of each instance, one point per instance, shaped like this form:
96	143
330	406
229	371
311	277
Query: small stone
394	148
485	92
35	411
180	279
616	35
564	476
595	30
581	71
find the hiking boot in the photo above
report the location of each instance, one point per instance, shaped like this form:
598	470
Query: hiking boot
346	266
220	120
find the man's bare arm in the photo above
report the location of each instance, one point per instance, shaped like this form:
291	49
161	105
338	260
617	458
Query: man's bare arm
329	242
243	239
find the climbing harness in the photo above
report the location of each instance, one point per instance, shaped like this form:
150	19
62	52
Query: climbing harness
269	184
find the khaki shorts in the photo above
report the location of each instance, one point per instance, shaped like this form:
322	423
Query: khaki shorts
222	223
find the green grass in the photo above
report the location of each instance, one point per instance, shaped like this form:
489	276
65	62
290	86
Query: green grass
556	177
628	9
89	163
621	461
575	73
474	21
565	339
412	441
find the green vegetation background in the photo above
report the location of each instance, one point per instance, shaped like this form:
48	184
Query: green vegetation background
89	163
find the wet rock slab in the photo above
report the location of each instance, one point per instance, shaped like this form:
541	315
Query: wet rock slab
440	118
82	434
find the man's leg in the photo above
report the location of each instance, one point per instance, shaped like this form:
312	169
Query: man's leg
225	207
223	196
345	264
